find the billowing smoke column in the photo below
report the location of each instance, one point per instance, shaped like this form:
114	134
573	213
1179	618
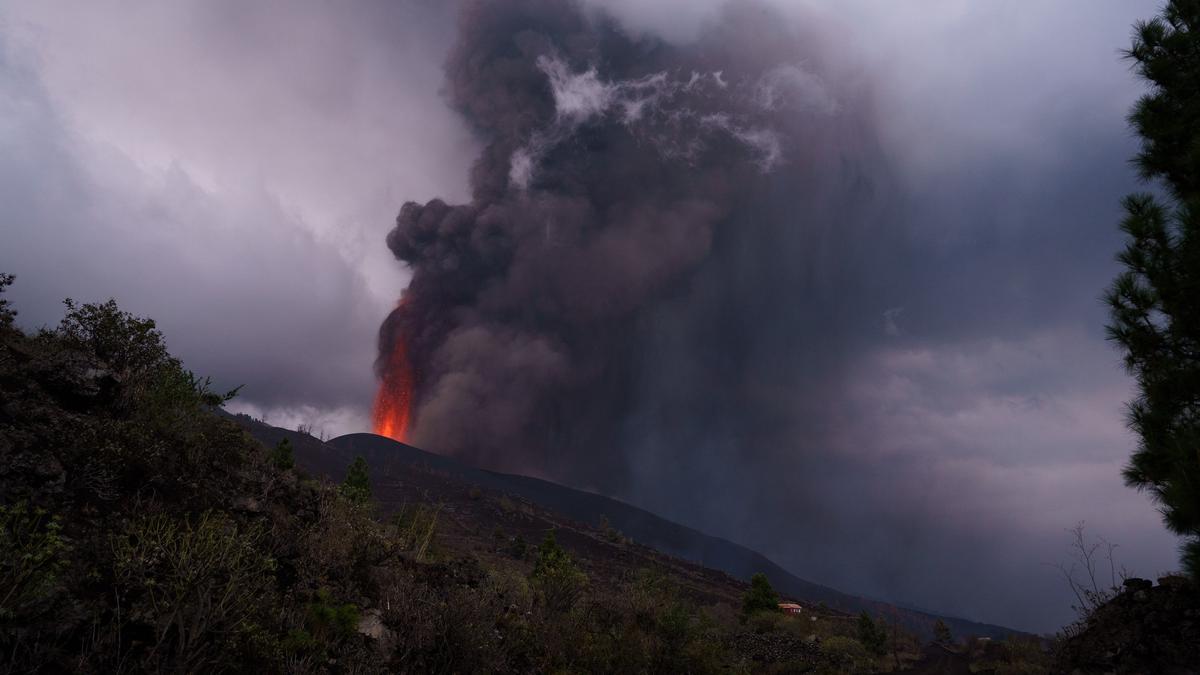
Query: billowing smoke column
628	190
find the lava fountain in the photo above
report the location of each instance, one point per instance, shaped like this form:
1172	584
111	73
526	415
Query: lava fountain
393	402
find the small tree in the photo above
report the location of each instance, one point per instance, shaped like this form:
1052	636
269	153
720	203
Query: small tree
873	635
282	456
134	350
941	633
760	597
556	576
1085	571
128	344
357	486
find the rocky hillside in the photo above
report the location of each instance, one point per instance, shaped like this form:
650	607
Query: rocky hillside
1144	628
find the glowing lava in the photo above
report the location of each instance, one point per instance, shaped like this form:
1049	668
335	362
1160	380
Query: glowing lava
393	403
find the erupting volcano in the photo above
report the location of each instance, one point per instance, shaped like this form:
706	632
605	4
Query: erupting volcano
629	194
393	402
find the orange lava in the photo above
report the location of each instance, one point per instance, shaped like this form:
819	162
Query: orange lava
393	403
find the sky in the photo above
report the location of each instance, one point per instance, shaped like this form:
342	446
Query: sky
232	169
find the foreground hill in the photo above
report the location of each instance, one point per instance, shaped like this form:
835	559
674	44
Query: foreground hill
406	473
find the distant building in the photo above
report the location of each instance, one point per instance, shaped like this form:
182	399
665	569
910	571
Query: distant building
790	608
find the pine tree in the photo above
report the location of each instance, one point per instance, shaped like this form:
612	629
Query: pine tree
760	597
357	486
1155	301
872	635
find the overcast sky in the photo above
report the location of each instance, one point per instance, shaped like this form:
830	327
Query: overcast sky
231	168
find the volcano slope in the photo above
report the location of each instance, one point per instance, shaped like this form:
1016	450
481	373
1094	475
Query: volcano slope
610	536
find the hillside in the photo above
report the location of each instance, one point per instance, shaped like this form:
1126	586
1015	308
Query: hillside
405	473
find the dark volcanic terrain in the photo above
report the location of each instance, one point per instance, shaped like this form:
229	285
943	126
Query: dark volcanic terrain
484	514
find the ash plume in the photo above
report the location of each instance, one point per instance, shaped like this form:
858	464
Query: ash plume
643	255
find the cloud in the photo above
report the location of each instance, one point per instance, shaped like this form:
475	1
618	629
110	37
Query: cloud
891	316
227	169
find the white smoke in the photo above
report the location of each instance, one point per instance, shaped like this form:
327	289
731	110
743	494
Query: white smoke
649	106
791	86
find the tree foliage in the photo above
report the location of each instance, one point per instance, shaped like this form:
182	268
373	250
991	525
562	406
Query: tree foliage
7	313
1155	301
357	485
282	456
556	577
32	560
760	597
201	585
872	634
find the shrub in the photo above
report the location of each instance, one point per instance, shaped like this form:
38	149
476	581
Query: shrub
32	558
846	655
328	620
415	529
199	587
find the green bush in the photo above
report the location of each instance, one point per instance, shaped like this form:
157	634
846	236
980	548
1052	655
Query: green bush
32	560
200	587
847	655
328	620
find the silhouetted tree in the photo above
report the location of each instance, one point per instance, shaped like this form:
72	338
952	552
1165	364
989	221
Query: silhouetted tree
357	485
1155	301
760	597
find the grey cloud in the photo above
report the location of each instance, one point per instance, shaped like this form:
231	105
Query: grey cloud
228	169
243	293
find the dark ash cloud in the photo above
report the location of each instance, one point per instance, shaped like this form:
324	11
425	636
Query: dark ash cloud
616	170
